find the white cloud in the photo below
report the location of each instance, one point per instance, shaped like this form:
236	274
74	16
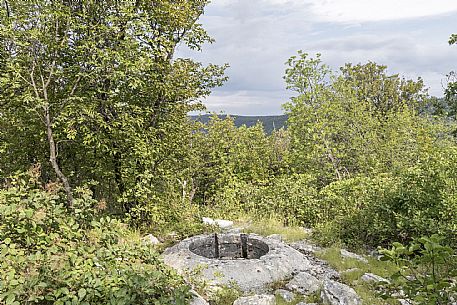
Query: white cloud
377	10
247	102
350	11
257	36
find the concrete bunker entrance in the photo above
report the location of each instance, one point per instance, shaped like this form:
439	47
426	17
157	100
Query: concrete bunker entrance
229	247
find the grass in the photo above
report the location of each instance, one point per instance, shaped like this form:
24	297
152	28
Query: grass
333	257
271	226
366	291
295	301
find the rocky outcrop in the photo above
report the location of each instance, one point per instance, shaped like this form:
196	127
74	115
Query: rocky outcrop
305	247
221	223
347	254
370	277
286	295
304	283
198	299
256	300
280	263
150	240
253	263
275	237
322	270
334	293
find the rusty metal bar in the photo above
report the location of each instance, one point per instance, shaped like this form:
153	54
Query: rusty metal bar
244	245
216	246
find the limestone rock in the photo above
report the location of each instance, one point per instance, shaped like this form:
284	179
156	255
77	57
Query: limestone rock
304	283
334	293
352	270
221	223
281	262
235	230
150	240
198	299
370	277
305	247
347	254
256	300
285	295
321	269
275	237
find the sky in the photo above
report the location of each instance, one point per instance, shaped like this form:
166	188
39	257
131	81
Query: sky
256	37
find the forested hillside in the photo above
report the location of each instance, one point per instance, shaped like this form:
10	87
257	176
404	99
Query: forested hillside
269	122
97	150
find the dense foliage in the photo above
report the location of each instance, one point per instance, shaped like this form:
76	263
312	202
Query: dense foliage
94	87
93	97
426	271
94	100
363	167
51	256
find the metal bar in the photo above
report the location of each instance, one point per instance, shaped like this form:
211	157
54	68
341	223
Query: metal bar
216	246
244	245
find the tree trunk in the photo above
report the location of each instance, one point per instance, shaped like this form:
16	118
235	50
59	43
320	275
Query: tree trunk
53	157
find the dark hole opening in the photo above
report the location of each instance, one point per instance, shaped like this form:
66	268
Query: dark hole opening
229	247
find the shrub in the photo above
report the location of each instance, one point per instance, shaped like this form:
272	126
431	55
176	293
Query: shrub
293	199
427	269
50	255
416	201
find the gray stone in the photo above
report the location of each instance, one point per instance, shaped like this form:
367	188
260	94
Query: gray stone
150	240
347	254
405	302
304	283
235	230
334	293
305	247
370	277
221	223
303	303
198	299
321	270
286	295
224	224
278	263
374	253
275	237
352	270
256	300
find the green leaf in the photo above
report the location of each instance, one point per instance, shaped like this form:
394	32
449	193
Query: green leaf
81	293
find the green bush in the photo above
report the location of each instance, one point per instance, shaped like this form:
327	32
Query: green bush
293	199
416	201
426	271
49	255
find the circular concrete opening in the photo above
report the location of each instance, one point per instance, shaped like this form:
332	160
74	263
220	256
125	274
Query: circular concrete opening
229	247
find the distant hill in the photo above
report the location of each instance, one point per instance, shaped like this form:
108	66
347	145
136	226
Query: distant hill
269	122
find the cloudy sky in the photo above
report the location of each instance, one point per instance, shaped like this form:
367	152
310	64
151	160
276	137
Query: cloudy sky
256	37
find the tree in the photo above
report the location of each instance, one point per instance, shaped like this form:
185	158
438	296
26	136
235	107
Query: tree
450	93
385	93
363	121
99	81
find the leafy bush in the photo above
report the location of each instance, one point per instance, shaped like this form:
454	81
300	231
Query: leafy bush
419	200
427	270
49	255
293	199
